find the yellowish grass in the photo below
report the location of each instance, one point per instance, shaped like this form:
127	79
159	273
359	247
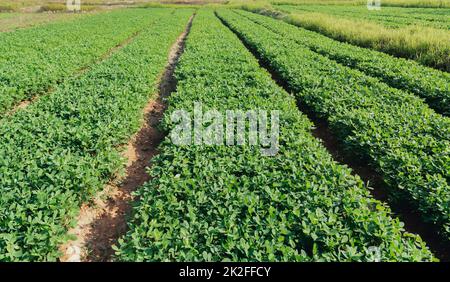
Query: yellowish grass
23	20
427	45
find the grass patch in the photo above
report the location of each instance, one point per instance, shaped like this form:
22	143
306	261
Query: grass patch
7	8
59	8
428	46
391	3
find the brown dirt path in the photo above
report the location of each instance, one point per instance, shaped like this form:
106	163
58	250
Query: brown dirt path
101	224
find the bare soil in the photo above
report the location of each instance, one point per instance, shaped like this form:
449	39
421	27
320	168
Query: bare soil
100	225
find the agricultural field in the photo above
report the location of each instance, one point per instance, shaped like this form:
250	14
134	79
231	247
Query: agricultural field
393	17
14	21
223	131
413	33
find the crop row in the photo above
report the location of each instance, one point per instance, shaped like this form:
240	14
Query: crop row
34	60
430	84
62	149
231	203
407	142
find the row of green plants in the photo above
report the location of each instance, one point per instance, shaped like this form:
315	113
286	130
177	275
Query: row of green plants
431	84
231	203
426	45
34	60
387	16
16	21
62	149
394	131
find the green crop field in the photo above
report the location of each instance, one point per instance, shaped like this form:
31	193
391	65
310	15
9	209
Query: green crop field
225	131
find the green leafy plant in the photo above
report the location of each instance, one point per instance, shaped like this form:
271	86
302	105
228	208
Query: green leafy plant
230	203
396	132
37	59
62	149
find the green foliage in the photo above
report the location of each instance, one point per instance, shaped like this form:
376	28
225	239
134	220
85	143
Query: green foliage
392	17
62	149
36	59
230	203
428	83
395	131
